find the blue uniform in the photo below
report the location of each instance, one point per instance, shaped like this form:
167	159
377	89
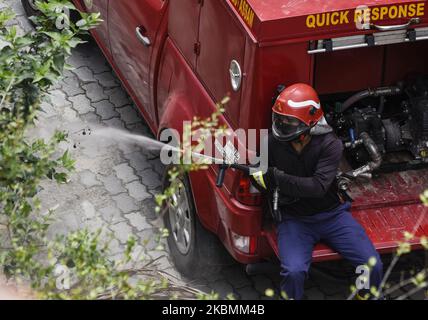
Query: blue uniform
297	237
316	213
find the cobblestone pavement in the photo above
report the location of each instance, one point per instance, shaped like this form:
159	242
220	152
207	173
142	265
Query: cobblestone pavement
115	183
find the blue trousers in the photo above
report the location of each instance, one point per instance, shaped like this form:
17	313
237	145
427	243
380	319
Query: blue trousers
297	237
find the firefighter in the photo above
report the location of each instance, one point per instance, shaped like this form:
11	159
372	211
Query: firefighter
304	157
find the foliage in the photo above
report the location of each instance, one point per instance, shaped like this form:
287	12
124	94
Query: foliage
29	65
203	129
77	265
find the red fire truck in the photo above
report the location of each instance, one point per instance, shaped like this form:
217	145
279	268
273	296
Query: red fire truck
367	59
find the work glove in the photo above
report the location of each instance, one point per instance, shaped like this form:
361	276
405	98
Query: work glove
265	181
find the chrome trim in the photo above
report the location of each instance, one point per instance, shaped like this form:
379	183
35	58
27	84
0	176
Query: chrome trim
235	75
397	26
379	38
142	38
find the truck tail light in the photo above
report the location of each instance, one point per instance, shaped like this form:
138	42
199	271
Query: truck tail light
244	244
247	194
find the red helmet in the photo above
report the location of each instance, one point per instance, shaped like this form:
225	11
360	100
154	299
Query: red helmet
296	110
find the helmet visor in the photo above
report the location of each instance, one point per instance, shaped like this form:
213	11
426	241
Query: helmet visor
286	128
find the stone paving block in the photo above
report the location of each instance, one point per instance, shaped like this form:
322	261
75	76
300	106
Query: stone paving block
69	115
149	239
76	59
81	104
95	225
137	191
91	118
163	263
157	166
138	161
70	85
105	110
49	109
114	123
141	129
94	148
107	80
115	247
171	271
125	203
96	61
139	258
63	227
98	197
84	74
127	148
89	179
88	210
125	173
111	215
118	97
138	221
122	231
58	99
150	178
112	184
148	208
94	92
129	115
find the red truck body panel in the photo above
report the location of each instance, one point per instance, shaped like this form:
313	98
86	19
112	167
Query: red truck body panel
271	20
186	70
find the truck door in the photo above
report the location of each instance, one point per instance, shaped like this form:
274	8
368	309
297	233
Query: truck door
221	41
133	26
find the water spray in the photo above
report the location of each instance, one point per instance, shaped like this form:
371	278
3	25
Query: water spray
146	142
151	143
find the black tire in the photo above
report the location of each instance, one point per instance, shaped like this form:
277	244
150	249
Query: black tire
29	8
31	11
206	254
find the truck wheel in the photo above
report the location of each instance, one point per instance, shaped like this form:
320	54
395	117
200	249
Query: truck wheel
31	10
30	7
195	251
